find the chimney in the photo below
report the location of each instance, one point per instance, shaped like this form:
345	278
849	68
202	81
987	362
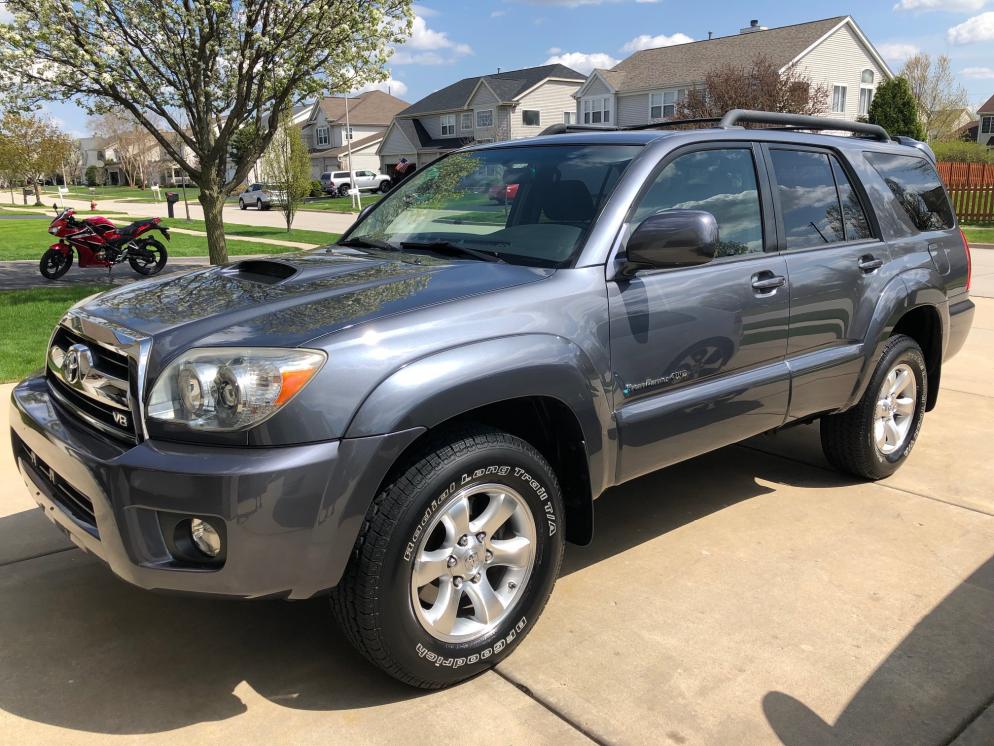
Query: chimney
709	35
753	26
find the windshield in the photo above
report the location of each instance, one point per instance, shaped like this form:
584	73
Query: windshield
524	205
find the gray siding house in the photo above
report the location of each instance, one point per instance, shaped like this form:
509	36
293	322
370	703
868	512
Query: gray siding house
985	123
648	86
487	108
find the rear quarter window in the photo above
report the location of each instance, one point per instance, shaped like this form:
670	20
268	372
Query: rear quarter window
921	202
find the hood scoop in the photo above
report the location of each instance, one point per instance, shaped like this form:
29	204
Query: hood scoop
262	271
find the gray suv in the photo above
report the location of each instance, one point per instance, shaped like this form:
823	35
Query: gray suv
416	419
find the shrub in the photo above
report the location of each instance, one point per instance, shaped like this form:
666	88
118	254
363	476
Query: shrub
962	152
91	176
316	189
894	108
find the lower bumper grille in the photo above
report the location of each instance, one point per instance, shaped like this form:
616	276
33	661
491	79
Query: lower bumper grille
74	502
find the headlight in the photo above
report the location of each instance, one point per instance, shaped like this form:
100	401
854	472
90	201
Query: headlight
54	230
230	388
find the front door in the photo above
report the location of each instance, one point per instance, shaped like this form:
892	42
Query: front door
698	352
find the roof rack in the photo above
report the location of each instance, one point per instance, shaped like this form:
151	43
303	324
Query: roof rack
802	121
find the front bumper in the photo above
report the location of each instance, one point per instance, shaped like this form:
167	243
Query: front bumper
290	515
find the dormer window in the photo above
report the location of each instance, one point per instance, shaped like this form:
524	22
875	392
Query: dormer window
323	136
596	110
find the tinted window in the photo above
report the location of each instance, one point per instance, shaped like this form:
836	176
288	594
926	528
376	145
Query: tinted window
341	174
856	224
809	204
917	189
722	182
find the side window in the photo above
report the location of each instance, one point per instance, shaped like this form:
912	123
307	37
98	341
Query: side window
857	227
923	205
809	204
720	181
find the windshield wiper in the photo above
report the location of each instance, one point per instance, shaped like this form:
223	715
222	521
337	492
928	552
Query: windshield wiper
367	243
449	247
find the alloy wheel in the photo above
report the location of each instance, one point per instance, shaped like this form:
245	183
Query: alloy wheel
895	409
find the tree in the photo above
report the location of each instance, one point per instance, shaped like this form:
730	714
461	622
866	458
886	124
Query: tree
134	148
34	148
894	108
935	91
286	167
759	85
206	69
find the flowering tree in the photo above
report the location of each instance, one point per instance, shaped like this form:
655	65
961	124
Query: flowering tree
286	167
31	149
205	69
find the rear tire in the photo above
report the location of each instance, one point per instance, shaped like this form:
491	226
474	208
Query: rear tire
343	190
384	187
241	204
258	205
153	264
54	264
874	438
455	560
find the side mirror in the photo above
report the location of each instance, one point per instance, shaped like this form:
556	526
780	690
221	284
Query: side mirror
672	238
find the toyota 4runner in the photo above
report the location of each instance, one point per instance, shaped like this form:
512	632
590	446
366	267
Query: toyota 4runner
416	419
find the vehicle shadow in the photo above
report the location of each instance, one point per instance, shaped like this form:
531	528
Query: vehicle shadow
933	684
81	649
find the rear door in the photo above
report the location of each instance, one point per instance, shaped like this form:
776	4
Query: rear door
698	352
838	266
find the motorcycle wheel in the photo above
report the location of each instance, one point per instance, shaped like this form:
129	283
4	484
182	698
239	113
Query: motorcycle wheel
151	258
54	264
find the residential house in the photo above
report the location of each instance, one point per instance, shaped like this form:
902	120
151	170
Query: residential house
328	137
950	122
648	86
985	123
485	108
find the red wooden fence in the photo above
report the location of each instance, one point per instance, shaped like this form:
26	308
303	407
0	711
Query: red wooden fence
971	188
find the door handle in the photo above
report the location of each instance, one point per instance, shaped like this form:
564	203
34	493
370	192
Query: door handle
765	282
869	263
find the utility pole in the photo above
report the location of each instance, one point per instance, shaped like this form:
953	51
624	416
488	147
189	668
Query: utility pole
356	199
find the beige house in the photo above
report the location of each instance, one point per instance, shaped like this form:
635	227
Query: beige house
648	86
328	137
985	123
486	108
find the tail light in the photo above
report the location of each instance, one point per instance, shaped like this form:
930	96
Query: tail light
969	260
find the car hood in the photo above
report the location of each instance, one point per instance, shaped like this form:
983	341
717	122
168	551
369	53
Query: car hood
290	299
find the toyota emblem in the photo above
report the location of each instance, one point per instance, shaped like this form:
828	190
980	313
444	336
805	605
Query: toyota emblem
77	363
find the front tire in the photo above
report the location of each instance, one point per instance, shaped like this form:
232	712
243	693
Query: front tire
874	438
258	204
384	187
456	559
54	264
241	204
151	259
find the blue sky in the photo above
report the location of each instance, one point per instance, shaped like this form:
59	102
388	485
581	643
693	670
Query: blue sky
457	38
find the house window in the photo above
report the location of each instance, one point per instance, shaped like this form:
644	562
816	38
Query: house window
865	92
485	140
569	117
987	125
347	133
448	125
485	118
662	105
466	120
839	99
597	110
531	117
322	136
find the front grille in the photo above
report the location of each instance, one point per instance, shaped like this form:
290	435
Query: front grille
102	398
71	500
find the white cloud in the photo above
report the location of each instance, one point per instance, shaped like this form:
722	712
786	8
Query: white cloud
498	13
896	51
646	41
426	46
582	61
978	73
421	10
953	6
553	50
978	28
5	15
391	85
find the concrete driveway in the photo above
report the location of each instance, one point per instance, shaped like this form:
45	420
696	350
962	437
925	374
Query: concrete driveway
748	596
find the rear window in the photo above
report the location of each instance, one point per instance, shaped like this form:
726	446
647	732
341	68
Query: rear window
341	174
917	189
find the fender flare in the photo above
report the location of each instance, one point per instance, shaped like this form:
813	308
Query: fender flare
915	288
446	384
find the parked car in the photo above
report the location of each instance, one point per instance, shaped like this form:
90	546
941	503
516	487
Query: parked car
503	193
260	196
340	182
417	419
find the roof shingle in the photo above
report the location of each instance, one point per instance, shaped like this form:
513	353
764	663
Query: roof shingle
372	107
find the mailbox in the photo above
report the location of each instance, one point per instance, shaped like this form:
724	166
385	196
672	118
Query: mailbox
171	199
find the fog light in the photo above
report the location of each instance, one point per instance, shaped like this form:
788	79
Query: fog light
205	537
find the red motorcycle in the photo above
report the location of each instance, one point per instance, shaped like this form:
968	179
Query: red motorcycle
100	243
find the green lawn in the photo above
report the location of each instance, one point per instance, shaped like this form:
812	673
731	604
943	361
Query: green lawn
319	238
123	192
28	238
977	234
339	204
27	318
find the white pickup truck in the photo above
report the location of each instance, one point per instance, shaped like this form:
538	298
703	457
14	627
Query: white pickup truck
340	182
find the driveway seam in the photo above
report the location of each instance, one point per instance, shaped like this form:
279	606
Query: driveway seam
541	701
36	556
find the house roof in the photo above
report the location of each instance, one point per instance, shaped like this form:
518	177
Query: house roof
507	86
691	62
987	107
371	107
362	142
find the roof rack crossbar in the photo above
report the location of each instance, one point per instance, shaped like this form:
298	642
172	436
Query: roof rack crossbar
802	121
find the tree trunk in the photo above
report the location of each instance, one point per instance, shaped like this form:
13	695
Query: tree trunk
37	193
212	201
